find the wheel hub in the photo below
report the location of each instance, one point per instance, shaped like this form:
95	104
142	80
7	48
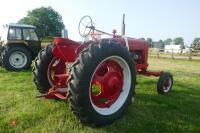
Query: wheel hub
109	79
167	84
18	59
57	73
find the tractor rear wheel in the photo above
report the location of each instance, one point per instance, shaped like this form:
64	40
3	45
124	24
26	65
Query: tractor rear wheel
165	83
102	83
45	67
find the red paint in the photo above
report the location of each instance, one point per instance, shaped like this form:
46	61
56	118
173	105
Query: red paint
57	74
109	79
65	49
52	94
56	70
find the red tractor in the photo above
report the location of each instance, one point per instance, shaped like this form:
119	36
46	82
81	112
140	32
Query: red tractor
97	77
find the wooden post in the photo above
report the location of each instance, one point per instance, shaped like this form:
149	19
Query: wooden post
172	55
158	53
190	54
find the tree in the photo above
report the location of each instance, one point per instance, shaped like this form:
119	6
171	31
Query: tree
48	22
178	41
168	41
150	41
142	38
196	40
161	43
196	43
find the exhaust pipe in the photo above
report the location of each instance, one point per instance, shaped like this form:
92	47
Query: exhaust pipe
123	25
123	32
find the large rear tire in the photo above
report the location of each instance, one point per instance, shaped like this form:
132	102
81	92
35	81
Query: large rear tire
45	67
102	83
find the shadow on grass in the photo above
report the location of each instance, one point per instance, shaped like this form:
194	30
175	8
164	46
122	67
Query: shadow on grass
3	70
177	111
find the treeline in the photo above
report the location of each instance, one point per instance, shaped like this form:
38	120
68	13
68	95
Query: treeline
176	41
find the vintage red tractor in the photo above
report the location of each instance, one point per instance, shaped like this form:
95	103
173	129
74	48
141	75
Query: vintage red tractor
97	77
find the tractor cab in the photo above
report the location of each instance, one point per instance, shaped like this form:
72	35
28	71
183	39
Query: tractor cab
20	32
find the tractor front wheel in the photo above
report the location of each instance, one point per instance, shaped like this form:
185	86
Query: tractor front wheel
102	83
165	83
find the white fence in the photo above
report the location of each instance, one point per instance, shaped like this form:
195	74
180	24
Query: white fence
173	54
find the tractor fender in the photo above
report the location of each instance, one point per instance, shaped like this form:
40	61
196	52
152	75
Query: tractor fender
82	47
65	49
13	42
19	44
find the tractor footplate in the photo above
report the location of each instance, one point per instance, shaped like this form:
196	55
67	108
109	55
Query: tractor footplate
53	93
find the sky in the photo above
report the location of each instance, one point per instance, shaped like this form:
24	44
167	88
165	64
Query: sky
158	19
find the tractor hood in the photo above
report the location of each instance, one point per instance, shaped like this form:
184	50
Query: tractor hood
137	43
133	43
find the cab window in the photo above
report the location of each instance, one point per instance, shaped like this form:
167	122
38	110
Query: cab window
29	34
14	34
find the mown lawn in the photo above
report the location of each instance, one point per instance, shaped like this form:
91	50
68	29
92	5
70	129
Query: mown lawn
177	112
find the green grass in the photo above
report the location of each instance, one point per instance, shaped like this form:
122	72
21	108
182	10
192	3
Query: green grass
177	112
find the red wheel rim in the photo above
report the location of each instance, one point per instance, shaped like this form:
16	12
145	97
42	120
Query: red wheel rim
56	68
107	84
167	84
110	85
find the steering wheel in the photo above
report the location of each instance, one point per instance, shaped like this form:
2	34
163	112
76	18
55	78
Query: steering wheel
85	26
